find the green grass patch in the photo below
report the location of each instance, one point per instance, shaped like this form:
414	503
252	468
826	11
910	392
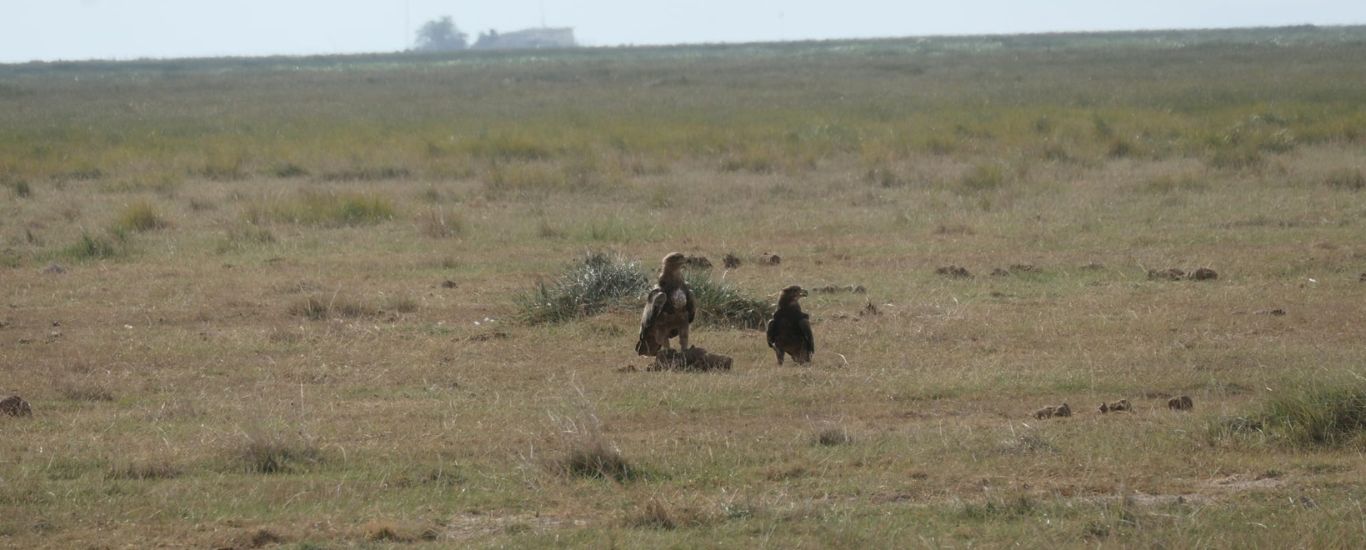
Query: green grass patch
720	304
589	285
96	247
324	209
140	216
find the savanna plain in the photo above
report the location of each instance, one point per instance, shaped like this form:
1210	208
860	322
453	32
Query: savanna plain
391	300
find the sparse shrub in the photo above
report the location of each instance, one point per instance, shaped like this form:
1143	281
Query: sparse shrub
1319	415
1346	178
983	177
21	189
222	165
507	147
86	392
369	173
656	515
832	437
93	248
400	304
140	216
598	281
277	453
245	236
722	305
288	170
438	224
327	209
380	531
1236	158
1171	184
143	471
593	457
318	308
997	510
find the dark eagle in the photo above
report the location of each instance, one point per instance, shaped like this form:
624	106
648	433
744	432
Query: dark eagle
790	330
669	309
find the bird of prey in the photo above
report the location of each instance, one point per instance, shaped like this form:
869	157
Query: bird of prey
790	330
669	309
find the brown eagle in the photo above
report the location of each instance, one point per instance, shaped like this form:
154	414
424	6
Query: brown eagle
790	330
669	309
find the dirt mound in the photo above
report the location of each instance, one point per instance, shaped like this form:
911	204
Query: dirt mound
699	262
1118	406
15	406
695	359
1182	403
770	259
1051	411
954	272
1172	274
1204	274
731	261
834	289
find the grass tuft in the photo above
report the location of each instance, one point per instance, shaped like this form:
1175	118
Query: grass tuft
324	209
277	453
833	437
1319	415
722	305
140	216
94	248
588	286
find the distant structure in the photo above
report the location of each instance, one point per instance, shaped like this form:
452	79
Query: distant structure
529	39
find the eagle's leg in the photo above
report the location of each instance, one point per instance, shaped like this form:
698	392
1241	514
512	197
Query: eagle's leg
662	338
683	338
779	352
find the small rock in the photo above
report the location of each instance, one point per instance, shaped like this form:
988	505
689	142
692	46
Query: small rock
730	261
15	406
771	259
1204	274
448	284
54	269
1049	412
954	271
1182	403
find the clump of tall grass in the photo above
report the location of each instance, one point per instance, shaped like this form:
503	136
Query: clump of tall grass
96	247
244	236
982	177
20	188
275	453
325	209
140	216
588	453
1315	414
1346	178
722	305
437	223
588	286
318	308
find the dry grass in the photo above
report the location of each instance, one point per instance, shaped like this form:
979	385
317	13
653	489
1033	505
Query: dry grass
407	398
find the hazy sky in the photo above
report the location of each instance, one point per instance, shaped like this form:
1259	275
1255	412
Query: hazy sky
124	29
